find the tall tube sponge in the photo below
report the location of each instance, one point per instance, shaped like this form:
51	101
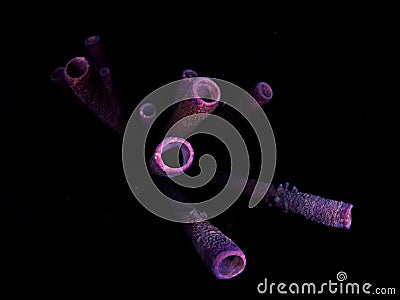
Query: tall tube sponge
220	254
58	79
95	49
225	259
318	209
201	96
147	114
314	208
262	93
87	85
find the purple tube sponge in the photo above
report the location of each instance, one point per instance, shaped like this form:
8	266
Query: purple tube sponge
96	51
262	93
188	73
87	85
159	167
105	75
318	209
202	95
219	252
148	114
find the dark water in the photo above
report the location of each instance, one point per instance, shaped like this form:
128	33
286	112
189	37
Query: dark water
73	228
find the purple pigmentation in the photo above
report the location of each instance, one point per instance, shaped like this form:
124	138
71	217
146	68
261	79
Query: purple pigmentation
314	208
159	167
87	85
147	113
188	73
262	93
91	81
202	95
105	75
219	252
318	209
96	52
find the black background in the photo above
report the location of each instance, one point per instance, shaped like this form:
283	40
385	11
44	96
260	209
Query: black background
73	228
